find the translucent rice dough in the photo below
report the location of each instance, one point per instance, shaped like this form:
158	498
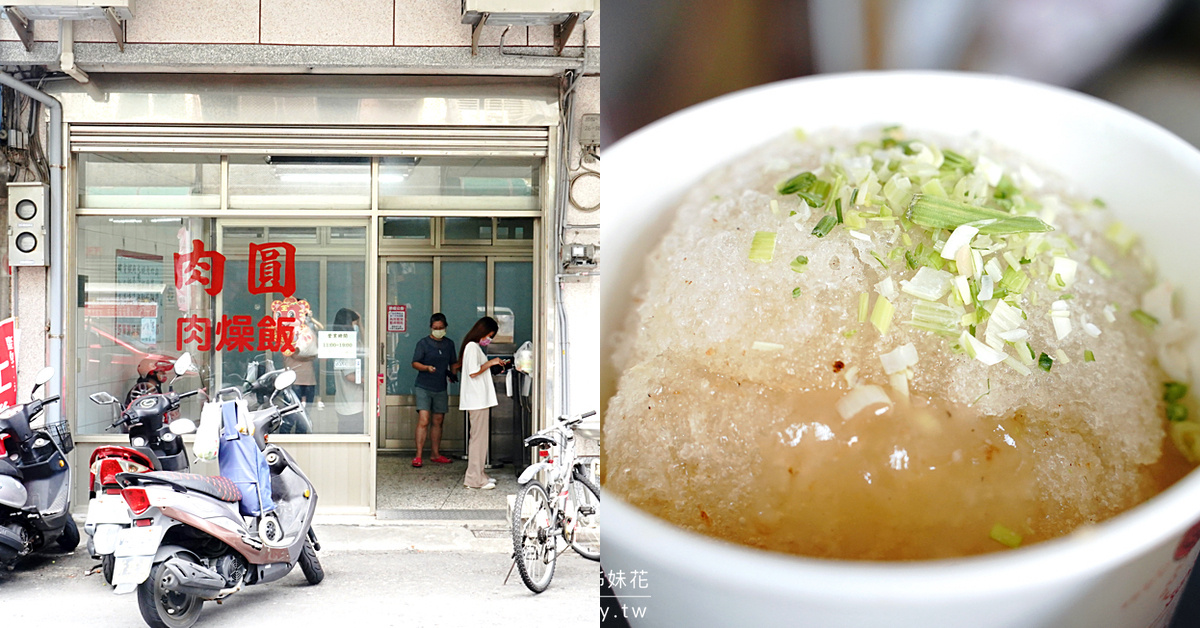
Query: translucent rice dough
726	421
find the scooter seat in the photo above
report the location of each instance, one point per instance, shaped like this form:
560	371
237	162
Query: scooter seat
218	487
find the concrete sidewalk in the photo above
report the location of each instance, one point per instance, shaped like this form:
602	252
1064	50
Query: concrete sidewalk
413	574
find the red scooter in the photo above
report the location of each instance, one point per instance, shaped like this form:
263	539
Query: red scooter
154	445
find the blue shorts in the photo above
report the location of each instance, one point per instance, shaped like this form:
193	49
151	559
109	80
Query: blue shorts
435	402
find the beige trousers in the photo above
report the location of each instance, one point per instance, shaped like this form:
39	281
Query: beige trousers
477	448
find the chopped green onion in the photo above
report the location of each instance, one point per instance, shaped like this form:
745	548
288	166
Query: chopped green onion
800	182
943	213
1005	536
1099	202
864	305
1176	412
837	204
800	263
933	187
881	316
849	333
1100	267
824	226
1014	281
775	207
938	318
1088	356
1045	362
910	261
762	248
1142	317
1174	391
953	161
879	259
795	292
854	220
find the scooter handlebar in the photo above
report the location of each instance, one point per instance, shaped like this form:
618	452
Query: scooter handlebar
289	409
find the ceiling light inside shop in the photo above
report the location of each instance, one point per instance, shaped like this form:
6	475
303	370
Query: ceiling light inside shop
300	169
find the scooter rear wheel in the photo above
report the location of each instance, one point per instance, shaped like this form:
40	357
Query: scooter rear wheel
166	609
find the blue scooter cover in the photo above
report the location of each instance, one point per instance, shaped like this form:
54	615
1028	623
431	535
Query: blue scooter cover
243	464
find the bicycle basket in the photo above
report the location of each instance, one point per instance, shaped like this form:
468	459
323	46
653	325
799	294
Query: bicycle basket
61	435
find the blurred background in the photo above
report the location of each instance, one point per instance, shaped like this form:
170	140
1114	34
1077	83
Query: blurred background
1143	55
665	55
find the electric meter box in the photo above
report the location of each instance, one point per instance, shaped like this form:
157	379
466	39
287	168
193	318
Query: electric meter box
28	224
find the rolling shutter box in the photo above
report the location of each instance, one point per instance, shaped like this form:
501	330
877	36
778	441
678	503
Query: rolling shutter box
284	140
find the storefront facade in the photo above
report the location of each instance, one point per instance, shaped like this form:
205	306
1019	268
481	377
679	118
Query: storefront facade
198	205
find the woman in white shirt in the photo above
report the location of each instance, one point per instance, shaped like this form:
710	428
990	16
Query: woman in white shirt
476	396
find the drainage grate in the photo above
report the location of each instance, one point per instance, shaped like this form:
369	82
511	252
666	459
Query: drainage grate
492	534
435	514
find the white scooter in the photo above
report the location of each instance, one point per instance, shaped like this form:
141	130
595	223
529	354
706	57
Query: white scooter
190	541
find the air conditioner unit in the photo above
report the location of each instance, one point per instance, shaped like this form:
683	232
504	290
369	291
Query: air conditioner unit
562	14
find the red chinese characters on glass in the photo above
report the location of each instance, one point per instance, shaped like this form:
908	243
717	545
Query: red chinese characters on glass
192	268
236	333
272	269
193	329
276	334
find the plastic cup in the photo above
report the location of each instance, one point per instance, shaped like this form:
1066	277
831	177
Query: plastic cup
1125	572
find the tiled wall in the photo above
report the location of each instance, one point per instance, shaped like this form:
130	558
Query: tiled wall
305	22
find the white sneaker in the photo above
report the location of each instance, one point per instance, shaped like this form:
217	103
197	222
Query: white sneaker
489	486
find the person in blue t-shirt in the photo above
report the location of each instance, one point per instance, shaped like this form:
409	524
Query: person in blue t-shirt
435	361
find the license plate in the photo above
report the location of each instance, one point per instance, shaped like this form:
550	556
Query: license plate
107	509
138	541
104	538
131	570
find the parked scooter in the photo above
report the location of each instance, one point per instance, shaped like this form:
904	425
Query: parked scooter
260	383
35	481
191	543
154	445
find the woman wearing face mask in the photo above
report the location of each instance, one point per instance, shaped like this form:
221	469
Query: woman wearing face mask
476	396
433	358
348	381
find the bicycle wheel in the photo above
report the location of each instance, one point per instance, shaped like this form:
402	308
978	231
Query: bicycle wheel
533	548
584	533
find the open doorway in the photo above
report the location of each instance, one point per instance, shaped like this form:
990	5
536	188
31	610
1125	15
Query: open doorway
474	271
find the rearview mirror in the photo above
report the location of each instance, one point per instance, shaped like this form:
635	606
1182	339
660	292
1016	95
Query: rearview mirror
181	426
183	363
102	398
285	379
41	378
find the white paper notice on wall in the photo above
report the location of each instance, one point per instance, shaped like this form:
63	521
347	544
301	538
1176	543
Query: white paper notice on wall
336	344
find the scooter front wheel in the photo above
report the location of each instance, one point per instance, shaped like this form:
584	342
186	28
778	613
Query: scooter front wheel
162	608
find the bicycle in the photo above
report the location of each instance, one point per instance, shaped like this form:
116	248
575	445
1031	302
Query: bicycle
572	516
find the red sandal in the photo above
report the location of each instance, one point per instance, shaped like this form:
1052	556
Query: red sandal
441	459
416	462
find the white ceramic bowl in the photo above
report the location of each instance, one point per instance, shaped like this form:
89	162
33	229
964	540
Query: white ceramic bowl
1126	572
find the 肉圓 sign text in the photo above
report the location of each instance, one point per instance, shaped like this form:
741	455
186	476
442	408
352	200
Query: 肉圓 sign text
271	269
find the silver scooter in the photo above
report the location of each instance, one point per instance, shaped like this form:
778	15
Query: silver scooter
35	481
189	541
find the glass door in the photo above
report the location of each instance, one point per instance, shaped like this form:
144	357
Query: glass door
407	300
